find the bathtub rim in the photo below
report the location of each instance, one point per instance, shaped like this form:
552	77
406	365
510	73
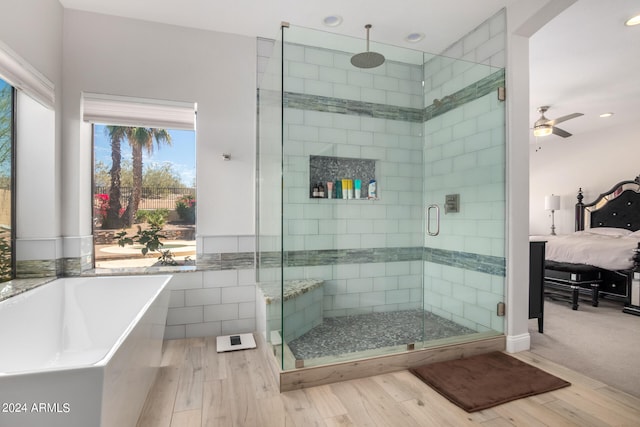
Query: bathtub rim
127	331
103	360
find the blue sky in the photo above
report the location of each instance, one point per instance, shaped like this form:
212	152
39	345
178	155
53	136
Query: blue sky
181	154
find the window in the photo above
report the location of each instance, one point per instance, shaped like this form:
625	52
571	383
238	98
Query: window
144	193
7	237
144	198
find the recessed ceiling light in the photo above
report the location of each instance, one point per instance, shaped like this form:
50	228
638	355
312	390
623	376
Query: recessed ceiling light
332	20
633	21
414	37
603	115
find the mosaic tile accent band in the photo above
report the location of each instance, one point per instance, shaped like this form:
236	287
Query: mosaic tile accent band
482	263
351	256
475	262
77	266
226	261
470	93
26	269
327	104
382	111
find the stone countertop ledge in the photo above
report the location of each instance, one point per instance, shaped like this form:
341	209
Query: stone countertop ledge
292	289
18	286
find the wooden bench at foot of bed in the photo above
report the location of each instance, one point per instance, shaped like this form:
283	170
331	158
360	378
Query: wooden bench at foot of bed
574	279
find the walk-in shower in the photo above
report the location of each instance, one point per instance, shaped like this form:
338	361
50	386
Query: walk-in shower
346	274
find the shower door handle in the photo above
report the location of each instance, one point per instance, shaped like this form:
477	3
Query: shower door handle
437	231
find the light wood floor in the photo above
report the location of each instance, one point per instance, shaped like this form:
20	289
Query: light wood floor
198	387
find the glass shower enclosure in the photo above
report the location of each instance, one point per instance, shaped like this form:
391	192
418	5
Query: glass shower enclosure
380	200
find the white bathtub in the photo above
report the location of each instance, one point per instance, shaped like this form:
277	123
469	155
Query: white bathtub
81	351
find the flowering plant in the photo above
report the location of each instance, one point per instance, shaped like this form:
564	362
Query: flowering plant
100	206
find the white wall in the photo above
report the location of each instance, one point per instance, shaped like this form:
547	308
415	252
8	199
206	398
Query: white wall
594	162
524	18
106	54
37	39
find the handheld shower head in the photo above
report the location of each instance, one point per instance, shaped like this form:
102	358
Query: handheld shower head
367	59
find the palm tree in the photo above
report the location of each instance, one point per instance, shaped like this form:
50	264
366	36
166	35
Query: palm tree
141	138
116	135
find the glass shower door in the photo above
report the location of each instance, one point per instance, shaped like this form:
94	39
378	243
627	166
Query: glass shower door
464	176
352	272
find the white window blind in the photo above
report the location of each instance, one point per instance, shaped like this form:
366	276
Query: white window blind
131	111
21	75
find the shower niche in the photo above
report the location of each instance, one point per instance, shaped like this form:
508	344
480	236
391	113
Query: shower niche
332	172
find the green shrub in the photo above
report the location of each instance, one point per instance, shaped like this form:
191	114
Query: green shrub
186	208
141	216
157	218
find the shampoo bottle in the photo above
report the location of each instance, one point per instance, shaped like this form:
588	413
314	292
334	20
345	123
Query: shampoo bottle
373	190
358	187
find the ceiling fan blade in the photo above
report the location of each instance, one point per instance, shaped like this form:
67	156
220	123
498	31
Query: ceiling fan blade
561	132
564	118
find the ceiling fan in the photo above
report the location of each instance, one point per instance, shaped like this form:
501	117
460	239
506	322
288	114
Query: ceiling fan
544	126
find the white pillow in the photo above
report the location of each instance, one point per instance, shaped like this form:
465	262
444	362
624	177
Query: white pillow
609	231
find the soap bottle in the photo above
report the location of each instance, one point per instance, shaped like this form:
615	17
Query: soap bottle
321	191
373	190
314	192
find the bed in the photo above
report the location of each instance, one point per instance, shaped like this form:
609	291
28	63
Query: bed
601	258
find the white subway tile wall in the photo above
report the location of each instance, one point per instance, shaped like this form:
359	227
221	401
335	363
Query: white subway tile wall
465	154
214	302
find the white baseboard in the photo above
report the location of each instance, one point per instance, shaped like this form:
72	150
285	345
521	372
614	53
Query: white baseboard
517	343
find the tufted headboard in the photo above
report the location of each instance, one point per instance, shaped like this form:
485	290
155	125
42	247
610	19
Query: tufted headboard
619	207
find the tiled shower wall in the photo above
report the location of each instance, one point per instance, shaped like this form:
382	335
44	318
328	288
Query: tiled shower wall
465	154
317	83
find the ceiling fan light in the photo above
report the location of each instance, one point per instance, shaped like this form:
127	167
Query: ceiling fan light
633	21
542	130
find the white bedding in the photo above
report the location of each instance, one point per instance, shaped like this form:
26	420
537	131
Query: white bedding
611	252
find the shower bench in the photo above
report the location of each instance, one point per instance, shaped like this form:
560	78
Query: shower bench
302	308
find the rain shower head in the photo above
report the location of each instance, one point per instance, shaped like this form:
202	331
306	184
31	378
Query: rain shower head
367	59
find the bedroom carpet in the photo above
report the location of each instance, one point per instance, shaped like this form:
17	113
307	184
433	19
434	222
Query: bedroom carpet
600	342
483	381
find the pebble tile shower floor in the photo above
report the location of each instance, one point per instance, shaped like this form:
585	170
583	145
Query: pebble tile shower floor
340	335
